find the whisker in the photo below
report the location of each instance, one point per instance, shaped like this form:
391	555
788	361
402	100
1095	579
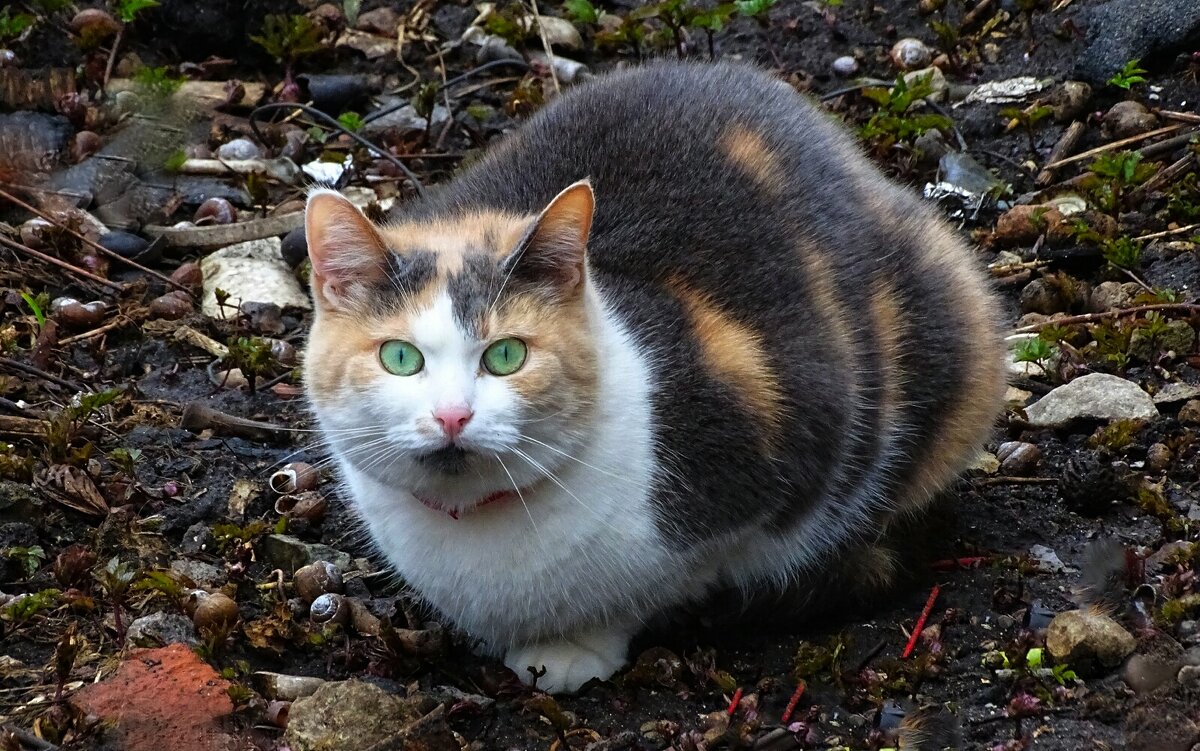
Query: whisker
523	437
554	479
519	495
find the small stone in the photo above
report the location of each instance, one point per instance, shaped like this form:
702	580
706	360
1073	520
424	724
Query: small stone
295	247
934	78
1158	457
1018	458
1040	296
845	66
1070	100
1189	413
1017	397
986	462
356	714
1146	672
239	149
382	21
1177	336
159	630
171	306
290	553
197	539
1108	296
910	54
1047	560
253	271
1188	632
1024	224
1127	118
200	573
264	318
1096	396
1177	392
1091	643
128	245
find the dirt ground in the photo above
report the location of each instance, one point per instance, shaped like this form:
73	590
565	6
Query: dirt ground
119	506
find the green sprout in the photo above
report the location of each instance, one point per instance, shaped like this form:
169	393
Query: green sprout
12	26
1121	252
892	122
351	121
29	559
1128	76
128	10
1035	350
36	306
581	11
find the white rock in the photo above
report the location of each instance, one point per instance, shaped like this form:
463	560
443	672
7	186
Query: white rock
845	66
239	148
1010	90
1097	396
252	271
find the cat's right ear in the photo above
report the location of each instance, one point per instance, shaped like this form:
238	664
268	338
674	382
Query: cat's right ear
345	249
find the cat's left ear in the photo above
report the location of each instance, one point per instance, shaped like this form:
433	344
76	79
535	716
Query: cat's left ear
346	251
554	247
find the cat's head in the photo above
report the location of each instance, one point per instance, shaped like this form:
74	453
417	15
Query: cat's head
453	359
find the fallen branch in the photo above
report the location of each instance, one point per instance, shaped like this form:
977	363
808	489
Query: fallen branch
281	168
1066	144
22	426
1160	179
31	370
116	323
1089	317
1116	145
221	235
58	262
1168	232
197	417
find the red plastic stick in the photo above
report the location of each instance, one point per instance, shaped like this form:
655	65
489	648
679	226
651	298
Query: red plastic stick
791	705
951	564
733	704
916	633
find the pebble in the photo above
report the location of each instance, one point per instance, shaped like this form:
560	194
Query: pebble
357	714
1189	413
1091	643
1108	296
1070	100
1040	296
281	687
1127	118
239	148
1158	457
845	66
253	271
1024	224
291	553
200	573
161	629
381	21
128	245
189	275
1096	396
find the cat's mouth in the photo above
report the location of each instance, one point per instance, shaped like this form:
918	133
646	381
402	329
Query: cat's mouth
451	460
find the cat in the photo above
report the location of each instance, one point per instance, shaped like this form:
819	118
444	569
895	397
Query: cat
674	333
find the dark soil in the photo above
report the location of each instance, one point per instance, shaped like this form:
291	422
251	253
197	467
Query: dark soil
677	693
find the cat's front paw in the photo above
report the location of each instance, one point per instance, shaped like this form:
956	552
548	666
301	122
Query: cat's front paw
570	663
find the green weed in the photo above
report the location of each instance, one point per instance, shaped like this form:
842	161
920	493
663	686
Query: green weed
1128	76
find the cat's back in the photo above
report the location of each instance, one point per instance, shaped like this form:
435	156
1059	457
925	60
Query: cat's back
816	331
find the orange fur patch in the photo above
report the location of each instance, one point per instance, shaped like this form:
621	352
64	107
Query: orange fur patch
967	423
749	152
734	354
452	238
889	327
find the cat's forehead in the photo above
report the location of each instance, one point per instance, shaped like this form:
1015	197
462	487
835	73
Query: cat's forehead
459	261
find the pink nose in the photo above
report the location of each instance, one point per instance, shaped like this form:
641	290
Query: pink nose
453	419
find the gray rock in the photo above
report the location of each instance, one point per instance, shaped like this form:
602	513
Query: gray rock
1176	392
1189	413
239	148
1178	337
1090	643
356	714
201	573
198	539
1096	396
290	553
1127	118
1112	295
404	121
160	629
1122	30
845	66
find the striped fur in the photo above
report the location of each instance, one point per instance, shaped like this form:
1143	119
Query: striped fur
749	356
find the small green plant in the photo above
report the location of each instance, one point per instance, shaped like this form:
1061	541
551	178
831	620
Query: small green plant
581	11
253	357
1183	201
892	122
1121	252
157	83
13	26
351	121
1128	76
759	8
175	160
28	559
1035	350
37	306
1027	119
115	579
1113	175
125	459
128	10
27	607
1112	343
64	427
289	38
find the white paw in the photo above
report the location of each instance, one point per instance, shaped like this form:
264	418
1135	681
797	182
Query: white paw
569	663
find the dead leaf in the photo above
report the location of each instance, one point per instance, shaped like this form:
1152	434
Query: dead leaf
73	488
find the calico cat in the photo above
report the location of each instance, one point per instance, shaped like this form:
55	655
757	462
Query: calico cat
674	333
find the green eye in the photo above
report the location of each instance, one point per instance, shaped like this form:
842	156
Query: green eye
505	357
400	358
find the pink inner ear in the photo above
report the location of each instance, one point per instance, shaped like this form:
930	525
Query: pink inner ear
342	243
